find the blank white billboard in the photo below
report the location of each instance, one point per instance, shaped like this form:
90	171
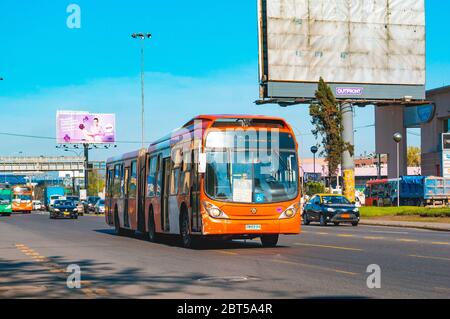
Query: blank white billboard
356	42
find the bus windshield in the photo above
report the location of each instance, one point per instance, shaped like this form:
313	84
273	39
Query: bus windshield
23	197
247	177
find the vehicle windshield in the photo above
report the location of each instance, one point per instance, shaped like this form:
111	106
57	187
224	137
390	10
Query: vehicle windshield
23	197
335	200
5	199
101	202
55	196
247	177
64	203
93	200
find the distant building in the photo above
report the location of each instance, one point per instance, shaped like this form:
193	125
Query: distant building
365	169
432	132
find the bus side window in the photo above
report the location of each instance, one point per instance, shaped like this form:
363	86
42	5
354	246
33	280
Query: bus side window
186	173
133	181
116	185
151	177
159	170
175	172
122	181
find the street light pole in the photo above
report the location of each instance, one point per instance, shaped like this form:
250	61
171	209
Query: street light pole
314	150
398	138
142	37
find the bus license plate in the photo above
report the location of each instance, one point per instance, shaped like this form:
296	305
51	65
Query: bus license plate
252	227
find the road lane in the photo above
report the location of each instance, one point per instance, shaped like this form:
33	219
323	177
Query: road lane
323	261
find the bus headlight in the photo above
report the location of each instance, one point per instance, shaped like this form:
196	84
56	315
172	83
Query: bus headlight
214	211
290	212
356	210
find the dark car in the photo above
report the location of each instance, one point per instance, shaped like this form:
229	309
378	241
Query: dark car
64	208
325	208
90	204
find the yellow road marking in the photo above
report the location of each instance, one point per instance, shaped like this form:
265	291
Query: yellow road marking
329	247
440	243
322	233
90	292
315	267
408	240
429	257
373	238
57	271
225	252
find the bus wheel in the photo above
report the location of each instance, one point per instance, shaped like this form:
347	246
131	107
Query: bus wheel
269	241
151	227
186	237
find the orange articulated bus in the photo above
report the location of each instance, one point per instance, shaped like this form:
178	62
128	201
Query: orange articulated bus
223	176
22	199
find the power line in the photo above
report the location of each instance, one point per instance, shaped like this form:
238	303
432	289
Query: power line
54	138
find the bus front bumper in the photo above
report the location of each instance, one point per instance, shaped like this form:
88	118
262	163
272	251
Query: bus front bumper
212	226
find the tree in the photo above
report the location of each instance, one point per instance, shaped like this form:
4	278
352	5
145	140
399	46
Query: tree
313	188
327	119
414	156
96	183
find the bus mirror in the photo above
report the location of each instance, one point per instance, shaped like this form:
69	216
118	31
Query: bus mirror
202	163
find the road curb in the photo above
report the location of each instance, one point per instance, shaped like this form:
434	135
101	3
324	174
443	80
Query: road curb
416	225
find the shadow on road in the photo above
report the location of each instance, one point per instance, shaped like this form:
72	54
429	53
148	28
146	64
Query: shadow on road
101	280
203	244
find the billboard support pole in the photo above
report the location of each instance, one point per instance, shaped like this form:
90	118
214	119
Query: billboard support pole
348	161
86	166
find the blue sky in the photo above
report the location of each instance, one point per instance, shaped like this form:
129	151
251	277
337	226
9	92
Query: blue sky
202	59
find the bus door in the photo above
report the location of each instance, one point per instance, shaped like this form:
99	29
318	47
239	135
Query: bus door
110	193
195	196
165	195
142	180
126	219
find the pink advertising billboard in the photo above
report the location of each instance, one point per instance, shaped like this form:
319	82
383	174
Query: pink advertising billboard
74	127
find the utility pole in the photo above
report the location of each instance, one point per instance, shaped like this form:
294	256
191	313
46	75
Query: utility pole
348	161
142	37
86	166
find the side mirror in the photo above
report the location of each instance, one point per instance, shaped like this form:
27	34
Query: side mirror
202	163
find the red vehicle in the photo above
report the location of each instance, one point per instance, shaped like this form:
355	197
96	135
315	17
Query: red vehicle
190	183
377	193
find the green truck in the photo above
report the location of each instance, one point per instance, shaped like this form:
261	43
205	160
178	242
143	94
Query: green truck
6	196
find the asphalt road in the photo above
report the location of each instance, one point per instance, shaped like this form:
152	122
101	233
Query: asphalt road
321	262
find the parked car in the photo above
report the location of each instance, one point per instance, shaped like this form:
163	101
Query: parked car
90	203
326	208
37	205
100	207
80	208
63	208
